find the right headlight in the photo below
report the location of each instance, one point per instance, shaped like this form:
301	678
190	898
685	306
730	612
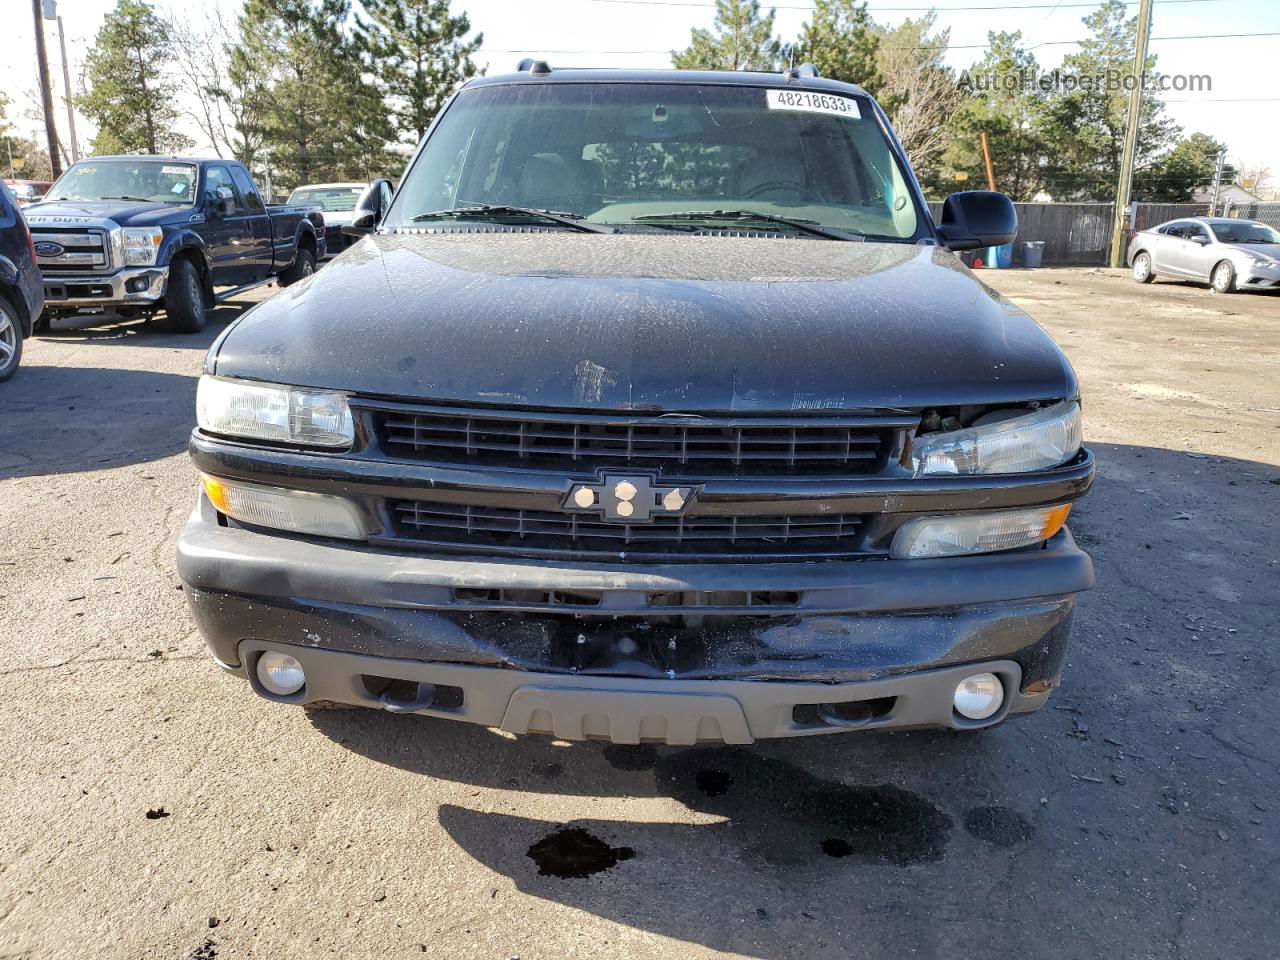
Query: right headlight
268	411
1035	441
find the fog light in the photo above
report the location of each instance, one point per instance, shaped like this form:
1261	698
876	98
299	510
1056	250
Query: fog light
280	673
979	696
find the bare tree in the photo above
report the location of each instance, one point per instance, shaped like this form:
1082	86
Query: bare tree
226	114
917	90
1255	177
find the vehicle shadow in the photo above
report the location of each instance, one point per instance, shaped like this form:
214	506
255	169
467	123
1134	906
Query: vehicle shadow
69	419
139	332
810	847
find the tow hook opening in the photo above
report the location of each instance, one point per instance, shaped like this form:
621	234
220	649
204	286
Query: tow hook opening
397	695
850	713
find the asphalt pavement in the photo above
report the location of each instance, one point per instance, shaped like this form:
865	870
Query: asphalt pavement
150	806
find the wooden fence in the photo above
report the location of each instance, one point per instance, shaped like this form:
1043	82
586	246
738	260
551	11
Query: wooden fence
1079	234
1074	234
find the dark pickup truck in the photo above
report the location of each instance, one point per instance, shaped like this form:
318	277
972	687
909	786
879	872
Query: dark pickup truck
654	407
128	236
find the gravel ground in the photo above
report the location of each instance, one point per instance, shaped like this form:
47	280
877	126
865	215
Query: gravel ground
151	807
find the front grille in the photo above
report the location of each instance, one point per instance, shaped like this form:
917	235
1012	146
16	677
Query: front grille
85	250
570	535
677	446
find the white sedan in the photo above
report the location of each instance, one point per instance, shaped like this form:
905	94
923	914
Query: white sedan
1228	254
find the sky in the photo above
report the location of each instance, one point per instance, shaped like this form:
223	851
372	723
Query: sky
1240	110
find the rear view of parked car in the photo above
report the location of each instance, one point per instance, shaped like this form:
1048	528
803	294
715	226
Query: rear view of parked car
21	292
1228	254
28	191
337	201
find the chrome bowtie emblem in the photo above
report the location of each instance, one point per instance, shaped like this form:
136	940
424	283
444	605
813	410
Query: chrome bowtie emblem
629	499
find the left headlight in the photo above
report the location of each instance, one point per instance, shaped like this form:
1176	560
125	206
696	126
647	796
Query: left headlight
279	414
142	245
1035	441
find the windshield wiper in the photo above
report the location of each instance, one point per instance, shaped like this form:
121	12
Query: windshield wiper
134	199
803	226
502	211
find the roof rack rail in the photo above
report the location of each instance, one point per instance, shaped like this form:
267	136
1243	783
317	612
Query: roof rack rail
804	70
530	65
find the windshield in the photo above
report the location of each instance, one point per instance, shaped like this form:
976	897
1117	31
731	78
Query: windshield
329	199
157	181
1243	231
629	153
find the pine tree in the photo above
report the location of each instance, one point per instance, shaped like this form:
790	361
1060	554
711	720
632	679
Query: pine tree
304	94
743	40
419	54
1004	103
841	42
130	97
1086	131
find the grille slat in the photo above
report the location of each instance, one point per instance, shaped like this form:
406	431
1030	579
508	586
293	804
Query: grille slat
543	533
85	250
725	448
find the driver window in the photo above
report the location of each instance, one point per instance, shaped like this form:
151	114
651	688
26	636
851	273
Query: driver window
217	177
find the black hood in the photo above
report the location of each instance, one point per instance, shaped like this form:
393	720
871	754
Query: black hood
126	213
648	322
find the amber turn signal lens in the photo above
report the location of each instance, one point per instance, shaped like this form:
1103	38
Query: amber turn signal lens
1054	520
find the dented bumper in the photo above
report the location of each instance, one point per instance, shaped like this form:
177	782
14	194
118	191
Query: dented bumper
853	625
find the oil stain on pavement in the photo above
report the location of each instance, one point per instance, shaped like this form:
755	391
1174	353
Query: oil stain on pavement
573	852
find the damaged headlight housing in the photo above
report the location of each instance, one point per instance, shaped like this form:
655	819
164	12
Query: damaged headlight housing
1038	440
278	414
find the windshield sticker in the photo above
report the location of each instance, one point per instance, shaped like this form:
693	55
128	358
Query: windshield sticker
180	171
812	103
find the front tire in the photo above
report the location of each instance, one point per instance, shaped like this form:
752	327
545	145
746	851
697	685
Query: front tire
10	339
1223	278
184	299
1142	271
304	265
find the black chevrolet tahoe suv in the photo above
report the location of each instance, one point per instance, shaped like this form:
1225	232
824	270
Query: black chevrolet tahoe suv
128	236
653	408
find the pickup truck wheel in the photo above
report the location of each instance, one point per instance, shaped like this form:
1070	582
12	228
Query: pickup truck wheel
184	299
1142	271
10	339
304	265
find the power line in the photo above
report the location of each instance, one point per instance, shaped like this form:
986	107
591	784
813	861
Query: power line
890	9
950	46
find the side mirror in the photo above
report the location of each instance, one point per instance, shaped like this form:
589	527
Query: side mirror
1201	239
977	218
369	209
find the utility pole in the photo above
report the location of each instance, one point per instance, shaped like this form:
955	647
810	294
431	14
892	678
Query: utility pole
51	13
986	159
46	95
1217	182
1125	187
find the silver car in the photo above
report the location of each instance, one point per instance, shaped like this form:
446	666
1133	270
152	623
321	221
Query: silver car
1228	254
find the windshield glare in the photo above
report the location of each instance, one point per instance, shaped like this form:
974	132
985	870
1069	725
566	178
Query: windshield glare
153	180
616	152
329	199
1245	232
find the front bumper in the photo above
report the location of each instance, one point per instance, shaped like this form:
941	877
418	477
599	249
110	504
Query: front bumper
892	636
135	286
1259	277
